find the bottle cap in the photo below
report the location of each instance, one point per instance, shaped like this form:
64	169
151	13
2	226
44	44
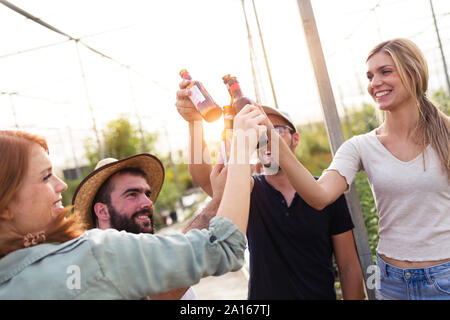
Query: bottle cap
185	75
226	78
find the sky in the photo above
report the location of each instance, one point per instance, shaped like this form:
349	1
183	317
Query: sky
43	90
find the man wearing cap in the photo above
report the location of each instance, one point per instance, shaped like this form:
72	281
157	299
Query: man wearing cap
119	194
290	243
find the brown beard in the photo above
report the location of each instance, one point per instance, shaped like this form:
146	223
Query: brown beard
119	222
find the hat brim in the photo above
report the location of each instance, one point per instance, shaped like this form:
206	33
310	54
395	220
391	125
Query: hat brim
86	191
269	110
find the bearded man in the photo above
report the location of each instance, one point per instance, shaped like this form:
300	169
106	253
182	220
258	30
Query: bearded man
119	194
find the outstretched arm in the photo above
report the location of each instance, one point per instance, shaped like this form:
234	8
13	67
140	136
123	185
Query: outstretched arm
201	221
199	161
218	177
317	193
235	204
236	195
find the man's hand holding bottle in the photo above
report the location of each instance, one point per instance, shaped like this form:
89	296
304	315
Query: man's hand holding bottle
184	105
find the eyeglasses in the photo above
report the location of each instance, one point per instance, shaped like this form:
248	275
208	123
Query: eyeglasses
282	129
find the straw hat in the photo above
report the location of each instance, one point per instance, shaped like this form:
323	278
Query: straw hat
86	191
282	114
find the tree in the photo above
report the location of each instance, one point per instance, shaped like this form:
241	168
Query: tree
314	149
120	140
442	99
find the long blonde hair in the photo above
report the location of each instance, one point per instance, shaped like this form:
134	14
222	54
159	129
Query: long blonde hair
15	149
433	126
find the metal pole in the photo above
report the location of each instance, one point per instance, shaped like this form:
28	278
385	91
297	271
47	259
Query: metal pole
175	171
335	135
10	94
374	9
74	157
252	56
347	120
265	57
94	125
133	100
440	47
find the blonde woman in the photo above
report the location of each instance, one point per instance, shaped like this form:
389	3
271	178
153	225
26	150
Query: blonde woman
44	255
406	160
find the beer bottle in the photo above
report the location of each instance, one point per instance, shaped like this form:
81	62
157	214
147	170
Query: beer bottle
201	99
226	79
227	133
238	100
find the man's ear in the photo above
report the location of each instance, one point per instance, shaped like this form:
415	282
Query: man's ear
101	211
6	214
295	139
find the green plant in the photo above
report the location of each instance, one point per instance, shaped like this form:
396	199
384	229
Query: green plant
71	187
368	210
442	99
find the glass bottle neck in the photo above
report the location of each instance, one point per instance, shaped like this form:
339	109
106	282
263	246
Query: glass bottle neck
236	91
186	76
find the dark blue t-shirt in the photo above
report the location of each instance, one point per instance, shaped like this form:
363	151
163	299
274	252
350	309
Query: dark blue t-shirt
291	247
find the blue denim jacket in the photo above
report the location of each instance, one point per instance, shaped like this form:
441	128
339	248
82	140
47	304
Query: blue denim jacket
108	264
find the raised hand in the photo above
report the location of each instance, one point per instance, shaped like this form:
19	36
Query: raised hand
248	128
267	122
218	178
184	105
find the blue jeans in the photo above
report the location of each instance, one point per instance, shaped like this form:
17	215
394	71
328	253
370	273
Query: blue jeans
431	283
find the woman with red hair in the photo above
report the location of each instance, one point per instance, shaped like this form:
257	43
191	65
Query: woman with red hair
46	255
